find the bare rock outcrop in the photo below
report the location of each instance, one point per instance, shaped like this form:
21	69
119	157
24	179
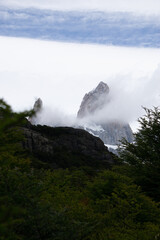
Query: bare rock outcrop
93	100
64	147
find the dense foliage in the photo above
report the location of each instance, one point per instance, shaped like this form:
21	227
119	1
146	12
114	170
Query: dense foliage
143	155
81	204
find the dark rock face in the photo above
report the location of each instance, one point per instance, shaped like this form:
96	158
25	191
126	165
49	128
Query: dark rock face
64	147
111	132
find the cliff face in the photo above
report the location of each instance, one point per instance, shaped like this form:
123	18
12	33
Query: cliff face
65	147
93	100
110	132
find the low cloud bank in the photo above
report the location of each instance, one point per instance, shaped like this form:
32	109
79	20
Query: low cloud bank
124	104
54	117
128	96
61	73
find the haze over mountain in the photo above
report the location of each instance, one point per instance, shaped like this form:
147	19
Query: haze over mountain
61	74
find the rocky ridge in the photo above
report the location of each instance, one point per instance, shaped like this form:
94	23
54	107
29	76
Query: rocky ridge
64	147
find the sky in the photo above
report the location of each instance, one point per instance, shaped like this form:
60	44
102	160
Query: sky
99	27
138	6
61	49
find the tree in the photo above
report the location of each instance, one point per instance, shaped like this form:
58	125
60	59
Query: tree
142	157
13	169
123	211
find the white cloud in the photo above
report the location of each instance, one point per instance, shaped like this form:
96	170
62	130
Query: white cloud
55	117
61	73
136	6
128	95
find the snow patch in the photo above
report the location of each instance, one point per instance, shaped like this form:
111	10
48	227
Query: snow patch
93	127
111	146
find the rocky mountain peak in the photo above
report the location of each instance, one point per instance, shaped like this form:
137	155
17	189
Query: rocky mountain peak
102	88
94	100
110	132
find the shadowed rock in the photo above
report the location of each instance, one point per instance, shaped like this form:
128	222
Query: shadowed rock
64	147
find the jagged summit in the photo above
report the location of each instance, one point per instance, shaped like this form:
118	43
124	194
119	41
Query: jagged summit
102	88
111	132
94	100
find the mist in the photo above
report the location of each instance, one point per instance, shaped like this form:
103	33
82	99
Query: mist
62	73
55	117
128	96
125	103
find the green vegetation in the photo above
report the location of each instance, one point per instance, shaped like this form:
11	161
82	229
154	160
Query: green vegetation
82	204
142	157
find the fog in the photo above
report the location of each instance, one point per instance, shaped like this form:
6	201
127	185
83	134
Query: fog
61	73
125	103
128	96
